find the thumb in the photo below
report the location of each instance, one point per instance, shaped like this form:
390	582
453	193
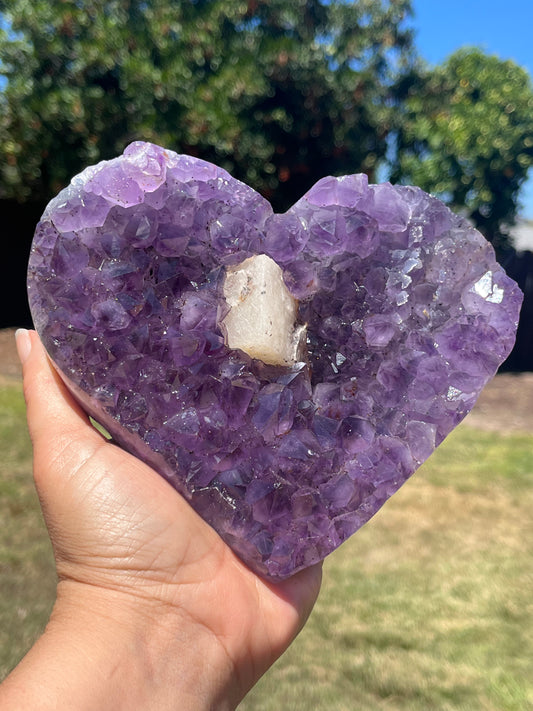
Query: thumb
59	429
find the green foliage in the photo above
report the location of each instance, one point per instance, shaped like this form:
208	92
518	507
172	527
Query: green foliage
279	93
466	134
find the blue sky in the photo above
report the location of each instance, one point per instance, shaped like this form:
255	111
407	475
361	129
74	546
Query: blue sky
501	28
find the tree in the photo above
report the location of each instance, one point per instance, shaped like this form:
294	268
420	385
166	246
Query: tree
279	93
466	134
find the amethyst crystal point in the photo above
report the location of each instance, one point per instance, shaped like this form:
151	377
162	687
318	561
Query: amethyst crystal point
404	312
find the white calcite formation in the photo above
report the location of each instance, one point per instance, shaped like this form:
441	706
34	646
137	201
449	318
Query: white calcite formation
262	316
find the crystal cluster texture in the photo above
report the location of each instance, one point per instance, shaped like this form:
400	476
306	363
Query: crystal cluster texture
405	311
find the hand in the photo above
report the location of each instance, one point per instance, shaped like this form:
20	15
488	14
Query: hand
141	575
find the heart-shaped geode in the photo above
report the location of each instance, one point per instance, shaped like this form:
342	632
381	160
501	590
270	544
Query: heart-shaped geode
404	310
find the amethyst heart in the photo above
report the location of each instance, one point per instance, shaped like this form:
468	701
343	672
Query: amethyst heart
405	314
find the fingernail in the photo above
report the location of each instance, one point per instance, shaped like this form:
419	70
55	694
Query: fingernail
23	341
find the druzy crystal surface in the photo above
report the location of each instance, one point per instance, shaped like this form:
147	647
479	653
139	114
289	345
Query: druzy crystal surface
406	314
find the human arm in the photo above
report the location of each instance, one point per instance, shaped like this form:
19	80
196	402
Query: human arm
153	610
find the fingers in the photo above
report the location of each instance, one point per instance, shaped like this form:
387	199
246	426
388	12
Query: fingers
53	415
47	399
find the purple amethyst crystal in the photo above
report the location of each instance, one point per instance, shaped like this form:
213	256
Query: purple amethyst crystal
408	316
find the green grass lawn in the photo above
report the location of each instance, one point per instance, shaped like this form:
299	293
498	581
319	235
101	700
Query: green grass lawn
429	606
27	579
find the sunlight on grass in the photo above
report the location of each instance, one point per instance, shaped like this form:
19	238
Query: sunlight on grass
428	606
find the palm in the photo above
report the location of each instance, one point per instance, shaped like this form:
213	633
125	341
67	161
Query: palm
117	525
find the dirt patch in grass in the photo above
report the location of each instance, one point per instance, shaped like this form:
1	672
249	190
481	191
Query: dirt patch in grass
9	363
505	405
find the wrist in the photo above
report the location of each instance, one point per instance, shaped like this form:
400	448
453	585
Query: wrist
104	649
